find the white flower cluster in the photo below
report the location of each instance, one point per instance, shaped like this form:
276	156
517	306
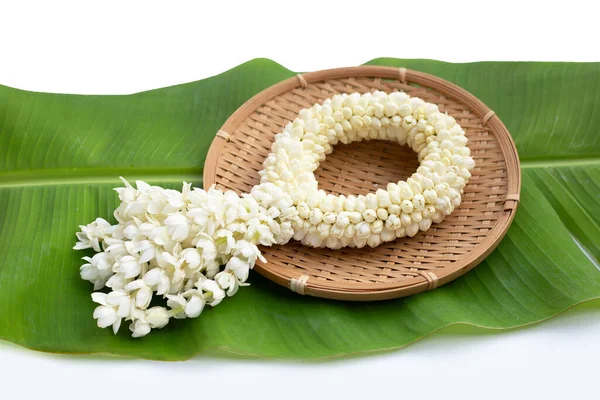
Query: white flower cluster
430	194
171	245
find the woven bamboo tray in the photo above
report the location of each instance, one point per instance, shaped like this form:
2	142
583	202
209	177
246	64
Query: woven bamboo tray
394	269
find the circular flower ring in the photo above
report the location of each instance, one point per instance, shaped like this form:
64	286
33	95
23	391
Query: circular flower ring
431	193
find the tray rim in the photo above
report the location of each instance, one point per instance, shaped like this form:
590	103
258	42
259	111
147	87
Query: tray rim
359	291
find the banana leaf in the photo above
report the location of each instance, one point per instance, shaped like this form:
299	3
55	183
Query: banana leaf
61	155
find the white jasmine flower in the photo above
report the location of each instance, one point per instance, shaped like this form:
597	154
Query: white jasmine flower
212	292
92	234
425	224
173	264
227	281
203	219
249	251
370	215
387	235
113	308
106	317
239	268
192	258
128	265
258	232
207	245
146	249
157	317
195	303
121	300
412	229
212	268
224	241
139	328
177	303
127	194
177	226
141	292
158	280
117	281
97	270
98	277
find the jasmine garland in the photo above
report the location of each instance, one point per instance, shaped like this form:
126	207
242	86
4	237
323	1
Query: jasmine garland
172	244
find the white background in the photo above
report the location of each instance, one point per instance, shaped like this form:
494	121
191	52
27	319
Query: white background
124	47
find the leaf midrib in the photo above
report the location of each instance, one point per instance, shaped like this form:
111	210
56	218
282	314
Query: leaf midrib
68	176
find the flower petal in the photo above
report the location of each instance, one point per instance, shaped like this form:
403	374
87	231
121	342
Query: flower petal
194	306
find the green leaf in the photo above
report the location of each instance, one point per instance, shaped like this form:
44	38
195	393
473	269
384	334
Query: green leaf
60	156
